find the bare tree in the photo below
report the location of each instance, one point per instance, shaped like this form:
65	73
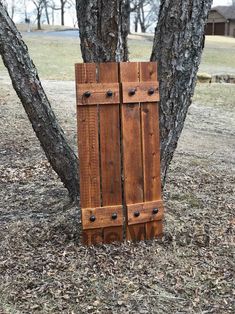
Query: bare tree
53	6
63	5
178	44
28	87
146	13
177	47
13	6
46	5
39	5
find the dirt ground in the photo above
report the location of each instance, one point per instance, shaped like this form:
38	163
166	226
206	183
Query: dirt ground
45	269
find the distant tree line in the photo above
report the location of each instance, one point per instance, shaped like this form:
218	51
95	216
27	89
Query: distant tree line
39	11
142	13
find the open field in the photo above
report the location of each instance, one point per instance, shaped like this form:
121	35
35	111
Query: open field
55	57
44	268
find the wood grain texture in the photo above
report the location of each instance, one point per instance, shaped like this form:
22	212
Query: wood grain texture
92	236
154	229
145	211
141	92
110	151
132	150
103	135
103	217
88	150
98	93
150	143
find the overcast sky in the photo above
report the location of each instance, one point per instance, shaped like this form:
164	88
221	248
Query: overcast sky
70	16
221	2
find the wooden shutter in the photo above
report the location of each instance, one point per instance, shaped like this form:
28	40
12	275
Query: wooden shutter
119	151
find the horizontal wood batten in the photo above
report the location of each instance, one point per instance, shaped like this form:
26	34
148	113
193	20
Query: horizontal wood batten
144	92
98	94
103	217
145	211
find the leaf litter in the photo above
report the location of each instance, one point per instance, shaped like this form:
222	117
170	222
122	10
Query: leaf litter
45	269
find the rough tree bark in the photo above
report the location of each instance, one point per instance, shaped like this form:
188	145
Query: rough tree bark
26	83
178	45
62	10
103	27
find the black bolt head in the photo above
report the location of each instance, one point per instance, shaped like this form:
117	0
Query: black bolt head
155	211
87	94
151	91
136	214
92	218
114	216
132	92
109	93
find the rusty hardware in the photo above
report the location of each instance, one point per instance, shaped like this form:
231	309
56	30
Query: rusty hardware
119	153
114	216
87	94
132	91
92	218
109	93
151	91
155	211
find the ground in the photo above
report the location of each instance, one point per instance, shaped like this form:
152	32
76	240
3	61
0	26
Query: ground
45	269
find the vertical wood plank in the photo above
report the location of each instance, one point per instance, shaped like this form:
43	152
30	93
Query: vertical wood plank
132	150
88	151
110	154
151	147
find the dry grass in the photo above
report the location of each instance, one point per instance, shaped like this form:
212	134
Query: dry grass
219	55
45	269
55	56
22	27
43	266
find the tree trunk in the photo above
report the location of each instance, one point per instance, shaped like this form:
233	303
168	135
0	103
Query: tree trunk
178	44
12	9
26	83
141	14
103	26
136	24
45	4
62	11
39	19
128	7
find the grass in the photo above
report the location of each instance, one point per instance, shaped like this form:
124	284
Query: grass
55	57
219	55
22	27
215	94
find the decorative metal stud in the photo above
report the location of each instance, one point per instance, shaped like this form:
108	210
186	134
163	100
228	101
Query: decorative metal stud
132	91
87	94
136	214
155	211
114	216
109	93
92	218
151	91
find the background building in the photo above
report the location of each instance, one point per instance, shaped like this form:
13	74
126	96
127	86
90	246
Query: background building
221	21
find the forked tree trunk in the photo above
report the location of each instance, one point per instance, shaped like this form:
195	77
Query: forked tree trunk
26	83
178	44
103	30
103	27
